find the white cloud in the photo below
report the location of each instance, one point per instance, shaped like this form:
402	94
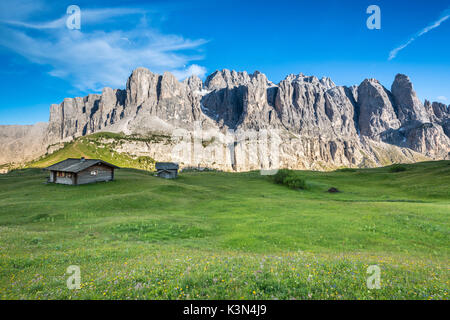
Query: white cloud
43	25
92	59
90	16
442	98
193	70
445	16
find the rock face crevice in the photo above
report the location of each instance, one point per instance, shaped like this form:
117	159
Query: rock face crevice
319	125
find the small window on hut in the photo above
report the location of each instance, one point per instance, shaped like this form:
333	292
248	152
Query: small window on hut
94	172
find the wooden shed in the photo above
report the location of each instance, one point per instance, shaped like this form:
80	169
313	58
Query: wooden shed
167	170
81	171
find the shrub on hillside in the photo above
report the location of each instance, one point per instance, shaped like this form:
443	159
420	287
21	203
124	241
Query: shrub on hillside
290	179
346	170
294	182
397	168
281	175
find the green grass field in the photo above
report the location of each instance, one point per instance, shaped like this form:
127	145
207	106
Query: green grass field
219	235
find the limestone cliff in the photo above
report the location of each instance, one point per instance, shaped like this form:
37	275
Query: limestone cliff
240	121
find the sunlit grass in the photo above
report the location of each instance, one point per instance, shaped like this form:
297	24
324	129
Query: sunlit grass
228	235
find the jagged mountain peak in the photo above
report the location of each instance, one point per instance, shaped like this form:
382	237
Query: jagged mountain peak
231	78
371	81
325	82
194	83
409	107
403	78
322	125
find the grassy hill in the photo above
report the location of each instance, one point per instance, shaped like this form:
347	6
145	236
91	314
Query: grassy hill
227	235
99	146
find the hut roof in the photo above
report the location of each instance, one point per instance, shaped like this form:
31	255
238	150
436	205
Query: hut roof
77	165
166	166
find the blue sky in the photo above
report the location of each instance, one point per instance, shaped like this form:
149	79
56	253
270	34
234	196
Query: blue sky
42	62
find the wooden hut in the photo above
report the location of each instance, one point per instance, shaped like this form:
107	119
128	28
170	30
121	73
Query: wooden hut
81	171
167	170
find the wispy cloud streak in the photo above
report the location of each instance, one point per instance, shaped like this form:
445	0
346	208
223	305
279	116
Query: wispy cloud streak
444	16
94	57
90	16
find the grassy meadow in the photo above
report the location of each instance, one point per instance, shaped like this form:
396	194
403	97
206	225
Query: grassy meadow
101	145
213	235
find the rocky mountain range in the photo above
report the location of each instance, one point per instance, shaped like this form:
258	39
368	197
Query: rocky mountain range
240	121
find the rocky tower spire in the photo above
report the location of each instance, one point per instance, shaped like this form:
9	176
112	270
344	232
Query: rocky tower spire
376	110
409	108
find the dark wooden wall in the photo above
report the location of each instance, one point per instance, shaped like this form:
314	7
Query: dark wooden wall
171	174
104	173
64	180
